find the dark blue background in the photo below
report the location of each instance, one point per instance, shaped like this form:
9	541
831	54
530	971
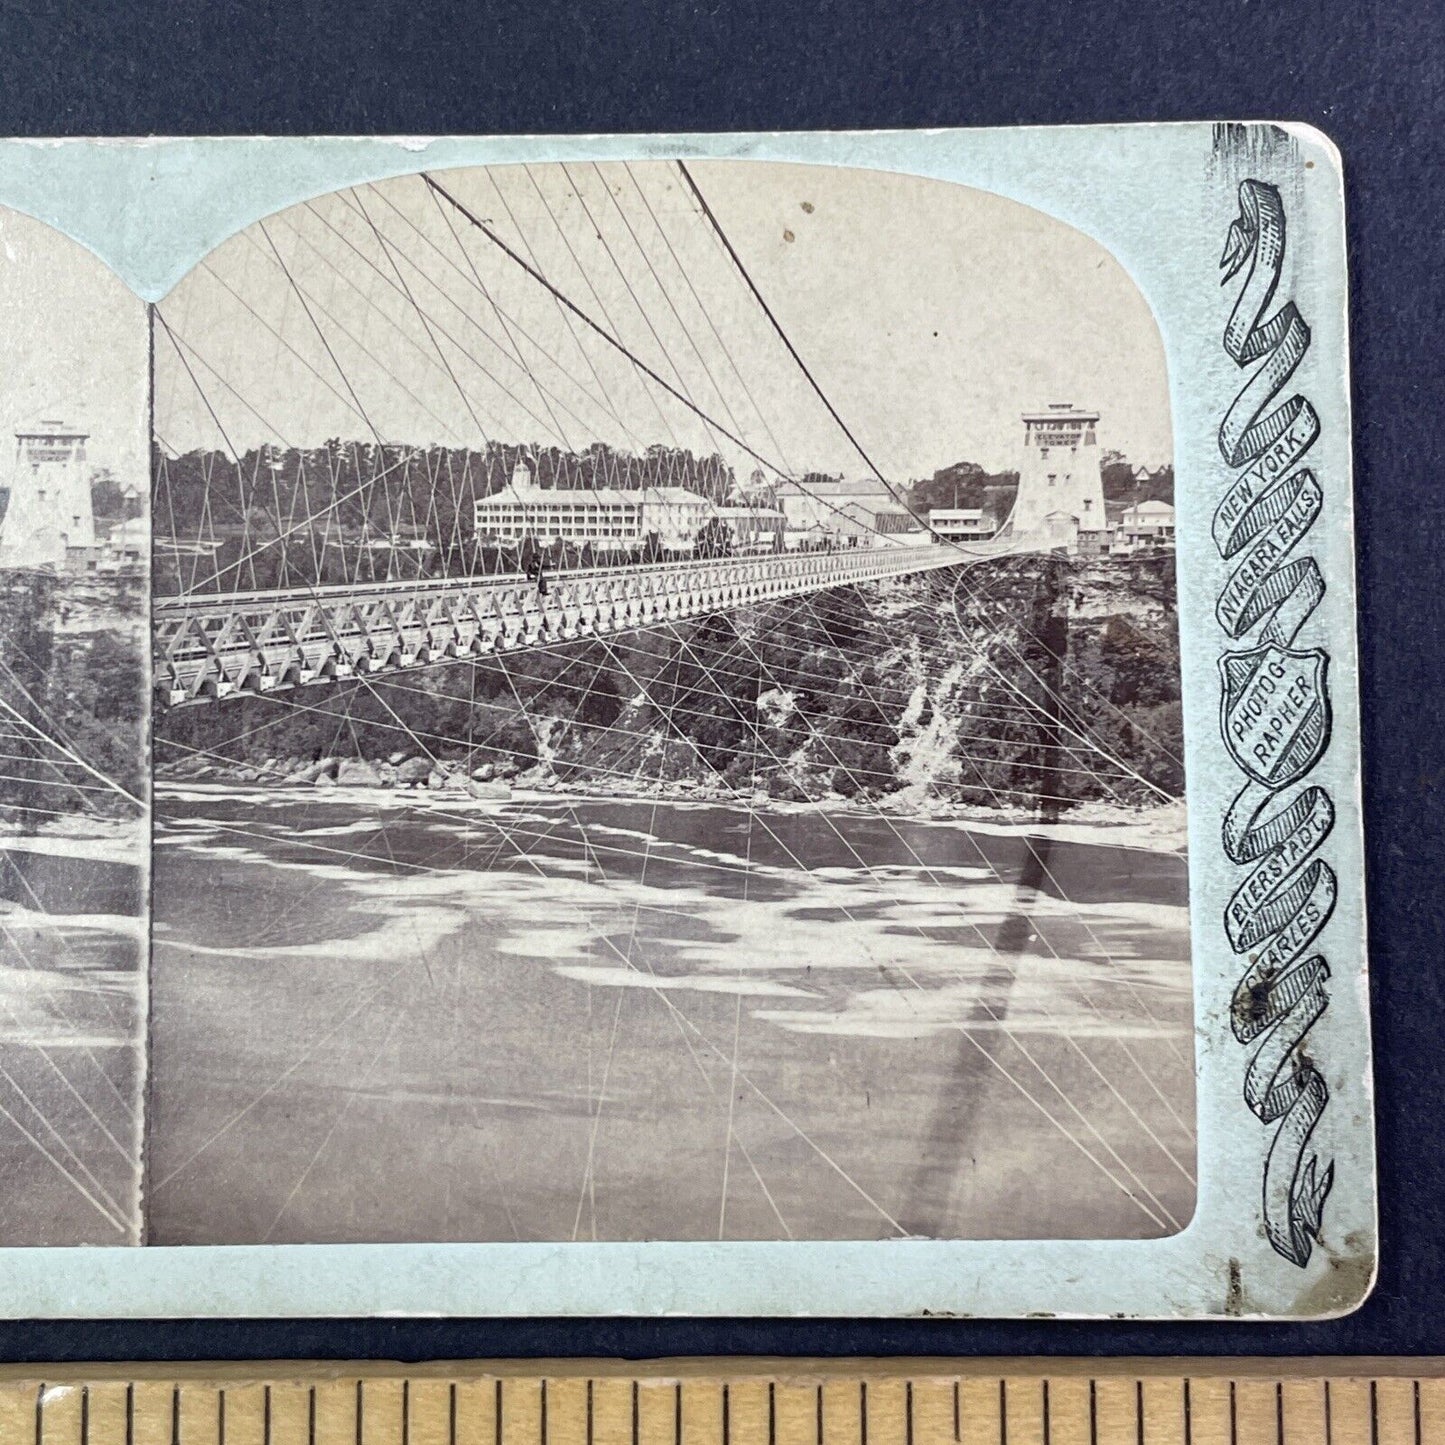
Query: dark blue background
1370	73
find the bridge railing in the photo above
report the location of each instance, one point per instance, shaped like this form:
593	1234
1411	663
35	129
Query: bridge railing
214	646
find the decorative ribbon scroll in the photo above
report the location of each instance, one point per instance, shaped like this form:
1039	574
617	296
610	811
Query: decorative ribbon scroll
1275	719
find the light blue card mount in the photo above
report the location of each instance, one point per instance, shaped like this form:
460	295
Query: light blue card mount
701	725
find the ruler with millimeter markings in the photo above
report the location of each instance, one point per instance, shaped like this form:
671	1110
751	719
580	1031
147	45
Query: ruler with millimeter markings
734	1402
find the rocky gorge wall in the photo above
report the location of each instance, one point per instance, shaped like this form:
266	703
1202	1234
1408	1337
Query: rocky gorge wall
72	666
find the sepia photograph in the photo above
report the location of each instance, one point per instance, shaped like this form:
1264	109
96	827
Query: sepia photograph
74	784
666	719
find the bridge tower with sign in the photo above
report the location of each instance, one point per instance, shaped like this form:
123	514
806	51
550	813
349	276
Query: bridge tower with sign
48	515
1061	486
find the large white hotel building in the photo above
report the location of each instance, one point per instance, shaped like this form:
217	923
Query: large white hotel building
607	517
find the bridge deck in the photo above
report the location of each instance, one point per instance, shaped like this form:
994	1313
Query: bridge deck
217	645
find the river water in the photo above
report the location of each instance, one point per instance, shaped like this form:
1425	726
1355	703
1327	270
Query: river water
72	1020
417	1017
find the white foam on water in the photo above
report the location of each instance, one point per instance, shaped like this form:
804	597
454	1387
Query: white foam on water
895	951
898	1015
345	830
1161	829
126	846
552	944
411	934
18	919
54	1035
697	983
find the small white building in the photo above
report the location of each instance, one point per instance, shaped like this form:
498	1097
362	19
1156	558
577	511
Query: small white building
1147	527
842	509
960	524
675	514
127	547
807	509
754	529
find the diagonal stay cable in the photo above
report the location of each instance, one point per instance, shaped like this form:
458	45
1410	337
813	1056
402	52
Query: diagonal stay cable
776	324
595	326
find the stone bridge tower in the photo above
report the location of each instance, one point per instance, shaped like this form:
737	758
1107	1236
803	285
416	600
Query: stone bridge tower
1061	487
49	509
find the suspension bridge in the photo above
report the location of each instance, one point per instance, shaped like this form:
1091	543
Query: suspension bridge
337	388
213	640
217	646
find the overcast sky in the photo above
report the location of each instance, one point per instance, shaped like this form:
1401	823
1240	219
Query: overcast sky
932	316
75	348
